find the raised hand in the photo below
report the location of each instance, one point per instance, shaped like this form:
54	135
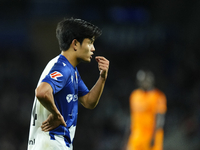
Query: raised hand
103	65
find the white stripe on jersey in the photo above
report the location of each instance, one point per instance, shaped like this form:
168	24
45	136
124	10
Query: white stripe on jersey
35	133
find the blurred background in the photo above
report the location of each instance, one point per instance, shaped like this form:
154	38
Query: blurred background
162	35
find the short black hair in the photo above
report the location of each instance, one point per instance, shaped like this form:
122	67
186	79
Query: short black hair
69	29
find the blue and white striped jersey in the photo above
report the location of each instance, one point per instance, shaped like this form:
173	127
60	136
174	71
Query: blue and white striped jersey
67	86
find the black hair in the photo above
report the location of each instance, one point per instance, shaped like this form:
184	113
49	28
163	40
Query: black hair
69	29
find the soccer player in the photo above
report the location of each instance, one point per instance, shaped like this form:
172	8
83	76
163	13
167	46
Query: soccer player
147	108
60	87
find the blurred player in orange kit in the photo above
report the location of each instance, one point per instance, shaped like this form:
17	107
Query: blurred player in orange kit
147	110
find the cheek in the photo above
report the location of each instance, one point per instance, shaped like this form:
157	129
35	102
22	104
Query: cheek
88	48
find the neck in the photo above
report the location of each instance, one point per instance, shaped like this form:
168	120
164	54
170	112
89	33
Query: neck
71	57
147	89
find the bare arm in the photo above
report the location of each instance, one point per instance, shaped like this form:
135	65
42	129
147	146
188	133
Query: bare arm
44	94
91	99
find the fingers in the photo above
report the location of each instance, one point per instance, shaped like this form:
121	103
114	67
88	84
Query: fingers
103	65
52	123
102	62
101	58
46	127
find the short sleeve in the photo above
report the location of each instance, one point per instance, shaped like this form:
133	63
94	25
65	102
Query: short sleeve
57	77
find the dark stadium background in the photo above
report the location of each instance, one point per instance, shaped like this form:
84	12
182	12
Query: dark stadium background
162	35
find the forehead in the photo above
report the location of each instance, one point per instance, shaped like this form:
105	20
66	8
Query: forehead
90	39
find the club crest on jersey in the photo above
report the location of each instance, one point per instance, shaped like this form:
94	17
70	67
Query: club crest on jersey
55	75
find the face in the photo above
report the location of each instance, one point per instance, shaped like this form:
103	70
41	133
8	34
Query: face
145	80
86	50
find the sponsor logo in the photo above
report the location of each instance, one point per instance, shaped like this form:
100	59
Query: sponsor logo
71	97
31	142
75	98
55	75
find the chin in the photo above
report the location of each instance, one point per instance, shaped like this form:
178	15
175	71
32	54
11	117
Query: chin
87	61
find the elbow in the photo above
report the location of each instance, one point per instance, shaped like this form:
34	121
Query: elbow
90	106
40	94
44	92
88	102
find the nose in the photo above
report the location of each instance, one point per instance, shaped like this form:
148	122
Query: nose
92	48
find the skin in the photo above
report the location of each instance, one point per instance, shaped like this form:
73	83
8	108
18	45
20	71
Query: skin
76	54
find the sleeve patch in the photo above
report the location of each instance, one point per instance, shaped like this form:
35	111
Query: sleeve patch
55	75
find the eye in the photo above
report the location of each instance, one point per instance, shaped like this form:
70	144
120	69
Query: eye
91	42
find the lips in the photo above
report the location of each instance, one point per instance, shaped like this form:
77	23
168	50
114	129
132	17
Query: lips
91	56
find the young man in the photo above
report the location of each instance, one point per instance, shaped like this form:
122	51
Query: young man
55	109
147	107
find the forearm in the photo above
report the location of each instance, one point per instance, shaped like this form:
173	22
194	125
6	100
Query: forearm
92	98
44	94
48	103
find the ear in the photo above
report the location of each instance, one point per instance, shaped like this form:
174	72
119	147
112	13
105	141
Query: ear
75	44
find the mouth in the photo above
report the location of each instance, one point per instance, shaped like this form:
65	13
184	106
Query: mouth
91	56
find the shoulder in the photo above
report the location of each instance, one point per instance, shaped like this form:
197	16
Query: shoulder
136	92
159	92
61	66
56	68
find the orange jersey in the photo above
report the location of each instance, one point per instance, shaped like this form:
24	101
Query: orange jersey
144	105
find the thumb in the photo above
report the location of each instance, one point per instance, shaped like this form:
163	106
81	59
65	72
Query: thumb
63	122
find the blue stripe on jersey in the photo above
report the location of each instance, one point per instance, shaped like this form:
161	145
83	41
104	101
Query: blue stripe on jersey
67	86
